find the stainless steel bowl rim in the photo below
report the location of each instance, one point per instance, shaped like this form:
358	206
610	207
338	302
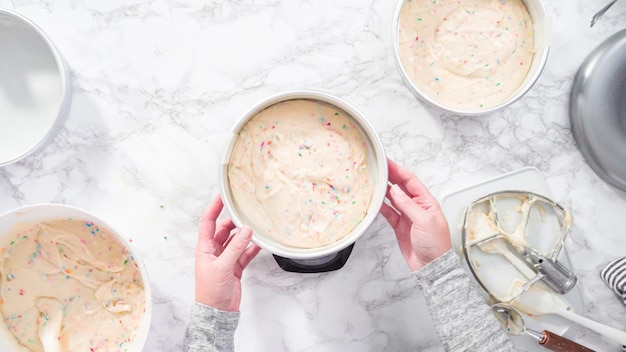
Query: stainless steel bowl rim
379	190
598	124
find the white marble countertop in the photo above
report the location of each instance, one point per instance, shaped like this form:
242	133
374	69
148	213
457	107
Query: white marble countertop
158	84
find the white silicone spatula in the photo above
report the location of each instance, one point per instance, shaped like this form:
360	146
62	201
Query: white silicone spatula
50	323
539	300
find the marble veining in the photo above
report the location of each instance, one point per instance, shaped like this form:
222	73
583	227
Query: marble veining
157	86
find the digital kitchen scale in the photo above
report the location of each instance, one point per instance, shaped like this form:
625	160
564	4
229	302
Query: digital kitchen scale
324	264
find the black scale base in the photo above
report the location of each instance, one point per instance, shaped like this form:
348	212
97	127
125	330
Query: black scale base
318	265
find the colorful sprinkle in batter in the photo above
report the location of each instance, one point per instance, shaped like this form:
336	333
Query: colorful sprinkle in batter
75	276
466	54
299	173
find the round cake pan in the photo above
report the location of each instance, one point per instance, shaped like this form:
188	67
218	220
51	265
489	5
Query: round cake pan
542	35
598	112
377	162
35	88
49	211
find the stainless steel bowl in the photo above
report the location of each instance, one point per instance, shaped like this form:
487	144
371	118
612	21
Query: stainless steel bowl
377	162
35	88
542	34
597	110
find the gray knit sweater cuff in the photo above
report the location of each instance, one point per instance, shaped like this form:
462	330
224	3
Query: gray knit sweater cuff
210	330
463	320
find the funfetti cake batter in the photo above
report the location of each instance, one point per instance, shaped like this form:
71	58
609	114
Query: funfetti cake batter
466	54
299	172
74	270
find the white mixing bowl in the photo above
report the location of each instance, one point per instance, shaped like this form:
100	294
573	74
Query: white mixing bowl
46	212
35	88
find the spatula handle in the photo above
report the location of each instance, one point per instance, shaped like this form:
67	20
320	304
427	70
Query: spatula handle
601	329
558	343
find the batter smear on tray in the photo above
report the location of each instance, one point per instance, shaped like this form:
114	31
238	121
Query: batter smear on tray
466	54
299	173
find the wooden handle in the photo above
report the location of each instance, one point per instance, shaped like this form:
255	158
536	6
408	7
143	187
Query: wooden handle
558	343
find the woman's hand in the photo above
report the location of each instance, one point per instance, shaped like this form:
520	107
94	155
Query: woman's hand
220	259
416	217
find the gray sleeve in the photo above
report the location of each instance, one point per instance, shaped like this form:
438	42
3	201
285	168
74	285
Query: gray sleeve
210	330
462	318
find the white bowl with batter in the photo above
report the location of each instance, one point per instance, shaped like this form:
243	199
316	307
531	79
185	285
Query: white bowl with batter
472	57
322	186
63	264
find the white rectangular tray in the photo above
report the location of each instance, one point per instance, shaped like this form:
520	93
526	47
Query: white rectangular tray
526	179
